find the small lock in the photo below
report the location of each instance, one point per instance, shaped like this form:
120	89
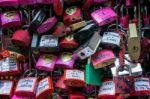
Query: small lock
6	3
72	15
47	25
46	63
103	58
107	90
87	4
61	30
68	42
10	19
74	78
58	6
65	60
89	48
76	96
47	2
134	49
45	88
21	38
124	18
104	16
48	43
27	2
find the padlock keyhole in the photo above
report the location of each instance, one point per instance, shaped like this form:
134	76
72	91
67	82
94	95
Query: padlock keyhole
82	54
135	49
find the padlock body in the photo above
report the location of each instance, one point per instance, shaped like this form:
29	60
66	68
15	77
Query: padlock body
68	44
58	7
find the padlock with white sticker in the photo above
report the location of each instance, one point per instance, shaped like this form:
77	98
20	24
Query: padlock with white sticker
74	78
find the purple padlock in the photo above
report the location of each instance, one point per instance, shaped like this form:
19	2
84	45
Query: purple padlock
100	1
27	2
65	60
47	25
46	62
8	3
10	19
104	16
45	1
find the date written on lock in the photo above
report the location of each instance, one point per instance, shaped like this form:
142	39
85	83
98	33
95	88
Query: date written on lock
74	78
26	86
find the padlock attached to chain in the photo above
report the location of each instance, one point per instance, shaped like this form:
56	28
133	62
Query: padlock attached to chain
6	3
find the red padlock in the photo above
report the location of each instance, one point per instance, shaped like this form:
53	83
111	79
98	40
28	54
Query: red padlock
9	3
74	78
58	7
72	15
76	96
10	19
47	25
45	88
22	38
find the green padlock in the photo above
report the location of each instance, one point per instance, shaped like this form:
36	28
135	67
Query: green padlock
93	76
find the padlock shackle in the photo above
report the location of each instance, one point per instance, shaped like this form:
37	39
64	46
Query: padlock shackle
122	10
122	68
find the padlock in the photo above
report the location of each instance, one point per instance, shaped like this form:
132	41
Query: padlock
65	60
58	6
6	3
111	40
37	20
129	3
22	97
93	76
85	33
100	1
124	18
136	68
74	78
68	42
134	49
77	25
72	15
48	43
76	96
27	2
45	88
135	19
104	16
87	4
10	19
89	48
47	25
146	20
47	2
46	62
107	90
6	88
141	86
61	30
21	38
124	84
103	58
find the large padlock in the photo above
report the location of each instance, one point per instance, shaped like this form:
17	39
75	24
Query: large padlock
107	90
89	48
76	96
87	4
124	18
124	84
45	88
68	42
72	15
10	19
48	43
46	62
61	30
136	68
47	25
21	38
9	3
45	2
65	60
103	58
27	2
74	78
6	88
104	16
134	49
58	7
141	86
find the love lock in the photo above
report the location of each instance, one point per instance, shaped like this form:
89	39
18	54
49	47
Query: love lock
6	3
58	6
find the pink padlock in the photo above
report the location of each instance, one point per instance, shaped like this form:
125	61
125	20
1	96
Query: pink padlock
46	62
8	3
100	1
27	2
45	1
103	58
104	16
65	60
47	25
10	19
22	97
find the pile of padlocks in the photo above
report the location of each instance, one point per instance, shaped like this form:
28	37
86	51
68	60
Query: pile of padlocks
74	49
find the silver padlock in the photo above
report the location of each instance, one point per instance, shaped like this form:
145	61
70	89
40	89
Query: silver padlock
135	67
